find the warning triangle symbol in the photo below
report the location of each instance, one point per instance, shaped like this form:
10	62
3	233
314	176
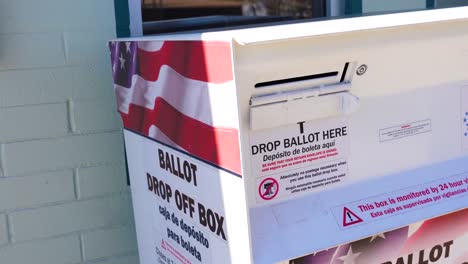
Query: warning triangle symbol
350	218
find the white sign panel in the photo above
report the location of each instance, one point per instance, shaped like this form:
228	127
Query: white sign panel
300	158
178	219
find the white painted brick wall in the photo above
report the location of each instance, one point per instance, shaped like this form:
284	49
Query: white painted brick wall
36	189
96	244
61	250
35	121
95	181
70	217
54	85
121	260
103	118
63	192
62	153
28	16
3	230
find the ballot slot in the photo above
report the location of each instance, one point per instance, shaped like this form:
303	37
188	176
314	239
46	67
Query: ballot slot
299	87
333	73
323	78
297	79
298	99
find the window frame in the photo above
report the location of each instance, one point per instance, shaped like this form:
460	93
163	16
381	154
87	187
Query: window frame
128	19
129	22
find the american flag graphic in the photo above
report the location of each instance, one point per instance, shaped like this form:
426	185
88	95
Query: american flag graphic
180	93
439	240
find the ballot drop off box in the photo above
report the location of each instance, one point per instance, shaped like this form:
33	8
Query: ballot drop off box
341	141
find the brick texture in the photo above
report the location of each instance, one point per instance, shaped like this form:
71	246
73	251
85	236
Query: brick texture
64	250
32	51
96	181
36	189
3	230
63	192
73	15
119	260
70	217
37	121
53	85
123	241
94	115
63	153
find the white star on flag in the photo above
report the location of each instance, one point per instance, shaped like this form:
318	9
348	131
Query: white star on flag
315	253
350	257
127	45
376	236
122	62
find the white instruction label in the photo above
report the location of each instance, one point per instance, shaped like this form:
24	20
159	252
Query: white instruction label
299	158
405	130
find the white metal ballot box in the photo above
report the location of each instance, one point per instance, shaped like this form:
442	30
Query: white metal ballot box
341	141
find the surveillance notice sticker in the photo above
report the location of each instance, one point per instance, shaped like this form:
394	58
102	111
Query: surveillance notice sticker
299	158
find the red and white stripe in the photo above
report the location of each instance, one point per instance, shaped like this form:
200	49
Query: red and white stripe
212	104
185	97
453	226
208	61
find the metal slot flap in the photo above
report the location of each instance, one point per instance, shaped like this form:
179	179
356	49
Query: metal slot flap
307	104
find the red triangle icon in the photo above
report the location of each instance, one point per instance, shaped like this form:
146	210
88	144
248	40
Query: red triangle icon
350	218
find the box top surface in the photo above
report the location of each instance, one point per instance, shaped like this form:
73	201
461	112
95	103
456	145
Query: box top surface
306	29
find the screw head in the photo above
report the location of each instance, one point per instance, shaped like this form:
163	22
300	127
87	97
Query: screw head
361	69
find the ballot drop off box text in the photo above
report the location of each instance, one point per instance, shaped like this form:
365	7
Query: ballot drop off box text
341	141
